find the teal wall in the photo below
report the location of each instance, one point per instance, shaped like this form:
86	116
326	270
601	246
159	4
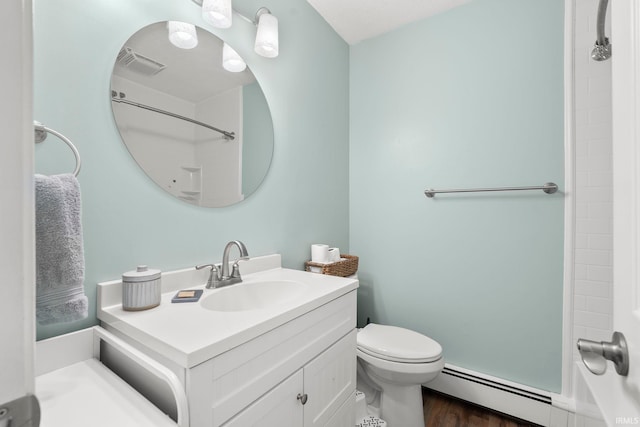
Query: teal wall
127	219
469	98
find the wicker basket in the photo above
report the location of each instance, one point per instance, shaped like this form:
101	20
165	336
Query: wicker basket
343	268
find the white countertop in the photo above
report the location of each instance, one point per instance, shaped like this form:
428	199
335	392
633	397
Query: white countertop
189	334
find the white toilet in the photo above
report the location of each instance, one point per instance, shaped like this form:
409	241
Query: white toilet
393	363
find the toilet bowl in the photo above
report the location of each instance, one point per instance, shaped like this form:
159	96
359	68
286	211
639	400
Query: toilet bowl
393	363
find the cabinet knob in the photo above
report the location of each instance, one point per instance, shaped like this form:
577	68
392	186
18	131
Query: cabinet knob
302	398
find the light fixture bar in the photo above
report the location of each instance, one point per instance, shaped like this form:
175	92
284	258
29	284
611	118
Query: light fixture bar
249	20
218	13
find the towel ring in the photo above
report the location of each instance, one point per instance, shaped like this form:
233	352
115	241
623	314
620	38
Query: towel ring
41	134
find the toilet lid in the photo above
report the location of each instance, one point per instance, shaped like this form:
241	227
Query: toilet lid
398	344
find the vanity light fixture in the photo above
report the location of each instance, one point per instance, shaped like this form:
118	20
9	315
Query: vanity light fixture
218	13
267	34
182	35
231	61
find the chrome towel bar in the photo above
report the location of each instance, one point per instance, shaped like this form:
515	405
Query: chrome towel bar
548	188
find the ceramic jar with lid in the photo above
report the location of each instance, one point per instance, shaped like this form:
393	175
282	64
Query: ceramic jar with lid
141	289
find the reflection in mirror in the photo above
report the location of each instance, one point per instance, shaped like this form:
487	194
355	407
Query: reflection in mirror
202	133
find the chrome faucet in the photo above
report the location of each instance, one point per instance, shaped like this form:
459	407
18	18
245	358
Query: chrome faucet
219	275
225	278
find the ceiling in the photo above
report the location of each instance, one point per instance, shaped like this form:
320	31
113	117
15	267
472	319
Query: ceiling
358	20
353	20
190	74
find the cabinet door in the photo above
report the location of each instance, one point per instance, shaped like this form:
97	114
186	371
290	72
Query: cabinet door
345	416
278	408
329	380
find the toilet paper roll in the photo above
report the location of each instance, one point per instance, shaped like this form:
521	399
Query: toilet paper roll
334	254
320	253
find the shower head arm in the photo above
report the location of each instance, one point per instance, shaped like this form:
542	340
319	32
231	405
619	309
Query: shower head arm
602	48
601	40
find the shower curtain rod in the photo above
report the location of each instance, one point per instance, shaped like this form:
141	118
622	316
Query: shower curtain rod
114	97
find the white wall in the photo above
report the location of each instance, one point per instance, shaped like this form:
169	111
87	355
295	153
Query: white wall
593	290
17	303
170	150
221	159
158	143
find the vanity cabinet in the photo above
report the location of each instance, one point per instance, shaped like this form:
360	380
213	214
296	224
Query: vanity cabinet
263	382
320	394
246	367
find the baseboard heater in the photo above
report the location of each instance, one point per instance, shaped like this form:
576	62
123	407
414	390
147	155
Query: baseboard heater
499	395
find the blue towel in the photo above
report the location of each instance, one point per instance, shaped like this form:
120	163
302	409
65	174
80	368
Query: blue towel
59	250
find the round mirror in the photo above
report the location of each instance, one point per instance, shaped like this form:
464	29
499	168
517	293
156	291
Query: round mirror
202	133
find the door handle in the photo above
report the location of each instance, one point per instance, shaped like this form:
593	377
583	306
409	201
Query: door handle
302	398
595	354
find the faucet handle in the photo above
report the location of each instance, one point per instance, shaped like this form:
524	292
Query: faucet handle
201	266
235	270
213	277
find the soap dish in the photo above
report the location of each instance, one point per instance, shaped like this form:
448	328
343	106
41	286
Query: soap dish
187	295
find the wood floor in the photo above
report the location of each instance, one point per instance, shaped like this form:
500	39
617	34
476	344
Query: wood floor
444	411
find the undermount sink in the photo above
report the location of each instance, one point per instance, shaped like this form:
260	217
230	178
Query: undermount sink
253	295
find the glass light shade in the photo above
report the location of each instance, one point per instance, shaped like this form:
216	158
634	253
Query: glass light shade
182	35
231	61
267	36
217	12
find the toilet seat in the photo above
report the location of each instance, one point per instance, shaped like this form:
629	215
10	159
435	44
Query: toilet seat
397	344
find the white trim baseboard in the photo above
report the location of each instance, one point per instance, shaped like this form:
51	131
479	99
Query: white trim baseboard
517	400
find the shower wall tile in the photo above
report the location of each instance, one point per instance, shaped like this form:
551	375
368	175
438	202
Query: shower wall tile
584	287
600	274
600	242
598	305
591	319
593	257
